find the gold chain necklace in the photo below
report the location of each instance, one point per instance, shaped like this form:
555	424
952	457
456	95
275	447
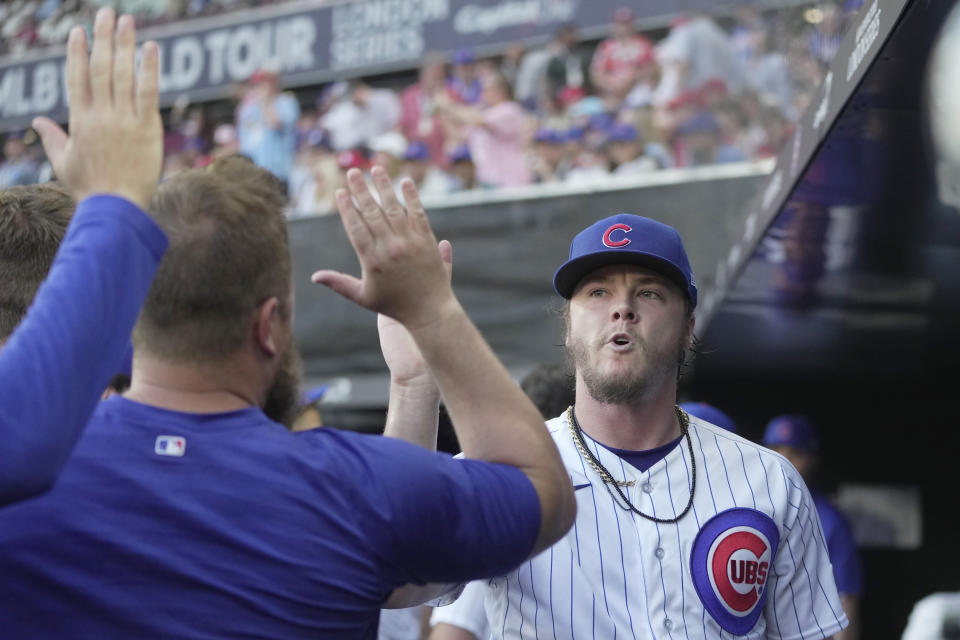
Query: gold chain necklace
609	480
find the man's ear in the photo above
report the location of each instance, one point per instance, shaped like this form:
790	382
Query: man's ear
264	327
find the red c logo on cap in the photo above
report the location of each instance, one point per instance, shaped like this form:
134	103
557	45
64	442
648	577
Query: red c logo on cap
608	241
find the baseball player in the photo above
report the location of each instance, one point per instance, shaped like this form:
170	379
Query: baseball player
709	413
683	530
795	438
187	510
62	355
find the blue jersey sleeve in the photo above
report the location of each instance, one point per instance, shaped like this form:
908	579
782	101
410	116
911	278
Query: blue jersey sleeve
432	518
844	554
72	341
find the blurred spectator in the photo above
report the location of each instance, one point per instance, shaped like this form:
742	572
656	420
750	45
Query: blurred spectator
568	69
18	167
549	161
495	133
267	124
768	73
362	113
418	120
618	60
464	82
315	177
590	166
388	150
825	36
696	50
551	68
225	140
510	63
463	173
430	181
700	143
626	150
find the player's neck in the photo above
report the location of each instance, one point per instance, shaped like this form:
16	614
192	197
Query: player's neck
644	424
189	388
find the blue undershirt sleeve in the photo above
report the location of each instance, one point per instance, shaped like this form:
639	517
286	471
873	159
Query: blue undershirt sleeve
432	518
61	357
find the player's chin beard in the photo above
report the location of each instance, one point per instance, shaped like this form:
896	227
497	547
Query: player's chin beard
628	386
283	397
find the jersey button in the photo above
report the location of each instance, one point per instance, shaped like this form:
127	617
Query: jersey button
668	623
646	487
660	552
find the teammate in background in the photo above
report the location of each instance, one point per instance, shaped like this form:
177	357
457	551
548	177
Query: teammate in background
683	529
709	413
550	387
795	438
198	501
74	336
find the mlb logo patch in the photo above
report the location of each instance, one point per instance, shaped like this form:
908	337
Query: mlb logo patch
170	446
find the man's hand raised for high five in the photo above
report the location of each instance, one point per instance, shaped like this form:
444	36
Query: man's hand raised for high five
115	144
402	273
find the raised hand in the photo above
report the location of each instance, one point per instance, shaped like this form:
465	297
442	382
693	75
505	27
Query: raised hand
115	144
402	273
400	352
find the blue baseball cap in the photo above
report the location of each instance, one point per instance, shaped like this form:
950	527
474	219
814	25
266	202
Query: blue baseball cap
711	414
791	431
626	238
549	136
460	152
314	395
416	150
463	56
623	132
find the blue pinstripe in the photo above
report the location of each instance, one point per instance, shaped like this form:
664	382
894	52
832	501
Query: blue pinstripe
571	594
506	611
599	550
749	484
773	507
643	570
536	604
703	457
603	582
696	517
663	585
673	505
520	605
793	594
553	621
820	584
725	471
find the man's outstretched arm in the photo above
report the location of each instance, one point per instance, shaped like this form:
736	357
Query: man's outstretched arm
61	357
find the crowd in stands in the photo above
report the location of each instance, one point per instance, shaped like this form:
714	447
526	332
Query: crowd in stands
701	92
33	24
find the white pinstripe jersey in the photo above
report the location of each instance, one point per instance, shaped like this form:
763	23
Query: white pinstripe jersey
748	561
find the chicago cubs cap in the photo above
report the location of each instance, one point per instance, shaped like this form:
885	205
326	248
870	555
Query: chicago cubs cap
711	414
791	431
626	238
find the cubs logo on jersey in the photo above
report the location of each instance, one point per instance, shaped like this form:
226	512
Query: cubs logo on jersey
731	559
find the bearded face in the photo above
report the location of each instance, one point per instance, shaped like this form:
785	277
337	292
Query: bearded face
283	398
627	330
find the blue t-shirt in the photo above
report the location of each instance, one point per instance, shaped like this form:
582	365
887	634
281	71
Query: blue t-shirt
62	355
253	532
840	545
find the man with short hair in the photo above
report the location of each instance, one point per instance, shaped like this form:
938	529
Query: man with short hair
794	437
58	356
684	530
188	510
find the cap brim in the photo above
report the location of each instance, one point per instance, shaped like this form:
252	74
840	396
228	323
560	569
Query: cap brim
569	275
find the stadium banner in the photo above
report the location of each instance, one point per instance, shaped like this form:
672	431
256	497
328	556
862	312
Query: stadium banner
204	59
803	168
